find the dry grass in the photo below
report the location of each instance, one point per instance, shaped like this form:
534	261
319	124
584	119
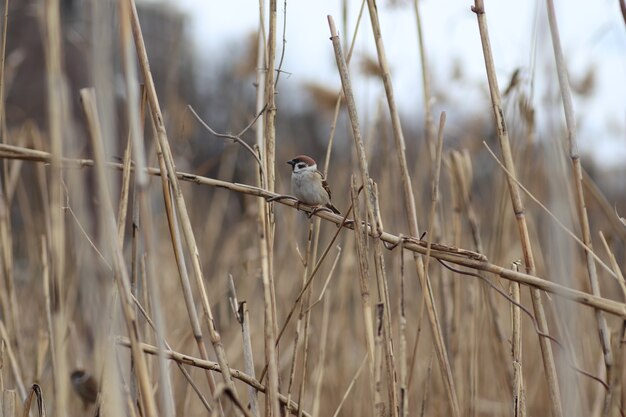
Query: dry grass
170	293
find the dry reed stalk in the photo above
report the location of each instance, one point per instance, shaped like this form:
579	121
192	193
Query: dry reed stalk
261	59
122	210
350	386
458	256
305	354
119	267
177	246
211	366
263	208
188	233
449	288
13	173
370	198
614	264
45	274
15	367
577	178
383	296
8	299
409	201
519	394
9	398
333	125
461	167
605	205
328	278
306	259
434	192
240	310
427	386
134	105
145	212
7	296
555	218
389	362
134	97
518	208
381	408
616	382
429	124
268	153
354	121
248	358
59	122
5	25
404	372
322	354
150	324
363	268
454	295
436	174
305	306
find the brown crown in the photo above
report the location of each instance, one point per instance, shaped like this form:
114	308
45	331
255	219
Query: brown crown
303	158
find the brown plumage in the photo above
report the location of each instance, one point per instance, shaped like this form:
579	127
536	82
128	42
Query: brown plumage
85	386
308	184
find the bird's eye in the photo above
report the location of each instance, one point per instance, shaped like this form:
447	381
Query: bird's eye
301	165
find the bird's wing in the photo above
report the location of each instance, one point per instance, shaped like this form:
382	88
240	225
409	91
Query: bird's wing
324	183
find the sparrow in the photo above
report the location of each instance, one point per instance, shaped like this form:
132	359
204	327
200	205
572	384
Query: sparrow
308	184
85	386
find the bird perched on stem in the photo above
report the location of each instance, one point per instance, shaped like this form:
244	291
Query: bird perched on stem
308	184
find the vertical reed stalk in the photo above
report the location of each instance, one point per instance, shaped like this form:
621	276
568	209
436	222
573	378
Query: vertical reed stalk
365	180
267	252
519	394
321	363
409	201
120	271
383	295
188	233
381	409
404	372
518	208
58	121
363	277
577	179
429	125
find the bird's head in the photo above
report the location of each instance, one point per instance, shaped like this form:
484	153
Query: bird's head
302	163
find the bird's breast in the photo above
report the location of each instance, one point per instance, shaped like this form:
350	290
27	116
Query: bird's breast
307	187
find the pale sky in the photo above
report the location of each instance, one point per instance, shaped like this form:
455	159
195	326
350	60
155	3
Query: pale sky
593	37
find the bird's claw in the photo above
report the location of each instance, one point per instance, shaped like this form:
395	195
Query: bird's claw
318	209
282	197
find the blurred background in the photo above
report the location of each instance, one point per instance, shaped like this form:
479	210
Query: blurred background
204	54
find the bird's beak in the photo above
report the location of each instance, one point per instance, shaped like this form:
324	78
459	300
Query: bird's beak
292	162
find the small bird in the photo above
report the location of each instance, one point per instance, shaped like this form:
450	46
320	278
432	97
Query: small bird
308	184
85	386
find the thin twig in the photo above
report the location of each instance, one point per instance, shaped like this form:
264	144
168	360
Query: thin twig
235	138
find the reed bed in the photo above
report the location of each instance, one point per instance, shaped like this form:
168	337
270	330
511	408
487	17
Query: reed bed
480	276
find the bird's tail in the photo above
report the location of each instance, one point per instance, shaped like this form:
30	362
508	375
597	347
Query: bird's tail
333	208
